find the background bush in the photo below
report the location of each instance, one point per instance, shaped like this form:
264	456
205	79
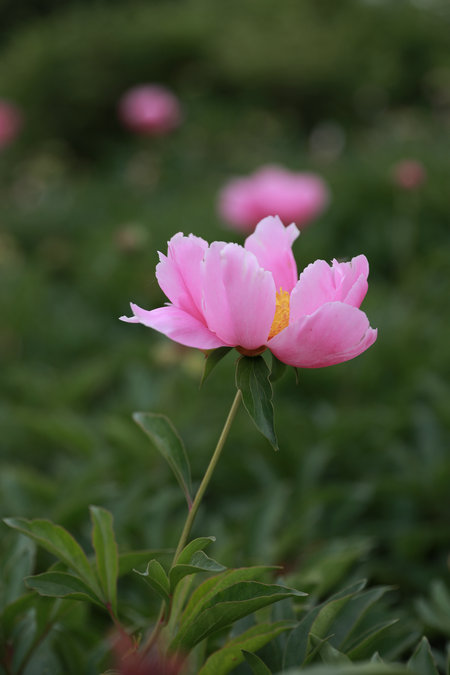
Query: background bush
360	485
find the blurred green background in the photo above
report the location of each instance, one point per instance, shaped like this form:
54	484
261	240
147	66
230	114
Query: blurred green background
345	89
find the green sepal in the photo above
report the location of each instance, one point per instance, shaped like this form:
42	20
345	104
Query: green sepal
278	369
212	359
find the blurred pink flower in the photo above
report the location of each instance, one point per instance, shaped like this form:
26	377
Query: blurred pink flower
249	297
409	174
270	191
150	109
10	122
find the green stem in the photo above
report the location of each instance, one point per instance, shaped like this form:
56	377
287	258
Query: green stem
207	477
194	508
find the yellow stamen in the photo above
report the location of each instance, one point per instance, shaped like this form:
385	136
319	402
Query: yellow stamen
281	318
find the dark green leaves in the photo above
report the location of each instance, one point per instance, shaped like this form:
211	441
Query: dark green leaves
106	555
237	649
157	579
165	438
224	599
422	661
252	379
199	562
82	582
58	541
62	585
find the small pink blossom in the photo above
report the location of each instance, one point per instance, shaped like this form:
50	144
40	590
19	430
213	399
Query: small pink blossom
272	190
10	122
409	174
150	109
250	297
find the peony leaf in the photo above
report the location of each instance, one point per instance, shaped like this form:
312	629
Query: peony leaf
327	653
369	640
62	585
317	620
202	595
132	559
199	562
60	543
252	379
106	554
15	610
195	545
157	579
164	436
361	668
256	664
227	606
422	660
235	651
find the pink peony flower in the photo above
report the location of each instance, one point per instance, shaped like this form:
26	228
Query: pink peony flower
250	297
409	174
294	197
10	122
150	109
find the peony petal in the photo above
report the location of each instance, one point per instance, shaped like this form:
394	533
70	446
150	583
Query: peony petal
350	279
180	273
336	332
177	325
239	296
320	283
271	243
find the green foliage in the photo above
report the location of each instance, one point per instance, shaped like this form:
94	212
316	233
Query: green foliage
157	579
252	379
257	665
165	438
236	650
58	541
422	662
106	553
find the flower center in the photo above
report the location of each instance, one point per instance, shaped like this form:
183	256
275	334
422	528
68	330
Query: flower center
281	318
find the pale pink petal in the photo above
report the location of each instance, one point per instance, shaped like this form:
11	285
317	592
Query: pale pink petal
357	292
180	273
320	283
239	296
177	325
335	333
350	279
271	243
